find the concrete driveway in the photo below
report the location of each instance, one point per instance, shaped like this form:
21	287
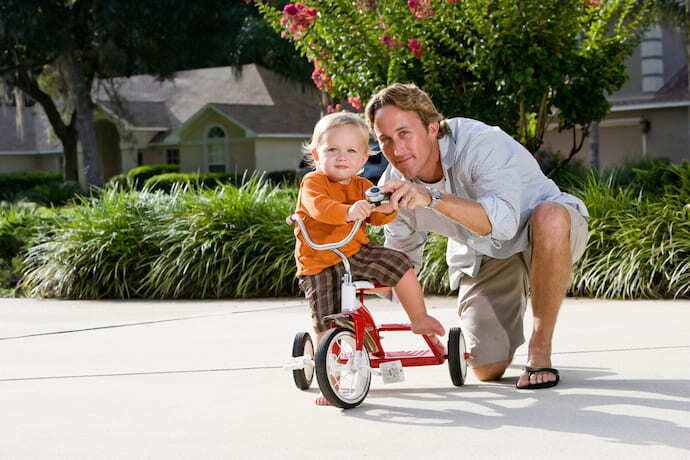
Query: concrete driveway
203	380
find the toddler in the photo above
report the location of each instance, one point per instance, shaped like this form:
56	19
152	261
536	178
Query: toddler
332	197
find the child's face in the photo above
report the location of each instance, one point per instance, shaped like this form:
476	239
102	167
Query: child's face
341	153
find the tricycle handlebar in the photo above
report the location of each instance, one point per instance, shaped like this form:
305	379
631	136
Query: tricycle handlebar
328	246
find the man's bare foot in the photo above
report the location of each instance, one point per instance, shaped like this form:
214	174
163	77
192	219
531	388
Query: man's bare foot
321	401
427	325
537	359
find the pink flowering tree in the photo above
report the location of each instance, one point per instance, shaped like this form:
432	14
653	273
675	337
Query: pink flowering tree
519	64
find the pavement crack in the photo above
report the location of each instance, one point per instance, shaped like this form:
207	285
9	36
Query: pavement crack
130	374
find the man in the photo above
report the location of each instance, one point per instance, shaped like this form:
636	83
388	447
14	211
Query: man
510	229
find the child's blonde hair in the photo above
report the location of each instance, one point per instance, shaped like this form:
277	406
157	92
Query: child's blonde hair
334	120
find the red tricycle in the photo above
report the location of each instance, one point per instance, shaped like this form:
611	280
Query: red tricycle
351	350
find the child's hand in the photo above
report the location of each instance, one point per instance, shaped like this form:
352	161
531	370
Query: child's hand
359	210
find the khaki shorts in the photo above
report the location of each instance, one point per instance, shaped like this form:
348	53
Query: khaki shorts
492	304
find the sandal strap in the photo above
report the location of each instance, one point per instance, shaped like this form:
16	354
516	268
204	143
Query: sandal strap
532	370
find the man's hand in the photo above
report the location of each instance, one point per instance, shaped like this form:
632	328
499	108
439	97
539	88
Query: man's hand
406	195
359	210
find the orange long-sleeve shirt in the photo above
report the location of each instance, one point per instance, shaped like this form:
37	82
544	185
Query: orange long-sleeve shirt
323	204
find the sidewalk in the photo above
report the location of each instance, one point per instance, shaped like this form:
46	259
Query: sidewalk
203	380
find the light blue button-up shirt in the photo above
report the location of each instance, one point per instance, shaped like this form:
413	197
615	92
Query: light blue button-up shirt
484	164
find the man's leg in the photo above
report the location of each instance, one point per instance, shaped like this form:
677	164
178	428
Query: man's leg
492	305
550	272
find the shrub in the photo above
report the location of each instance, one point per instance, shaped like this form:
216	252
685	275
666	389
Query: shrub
286	177
166	182
232	242
639	245
19	225
139	175
228	242
567	175
652	176
13	185
100	248
53	193
119	181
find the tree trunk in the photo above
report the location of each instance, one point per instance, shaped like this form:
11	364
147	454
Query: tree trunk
80	82
70	168
594	146
67	133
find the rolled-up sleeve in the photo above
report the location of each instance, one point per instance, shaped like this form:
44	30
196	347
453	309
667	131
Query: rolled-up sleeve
495	176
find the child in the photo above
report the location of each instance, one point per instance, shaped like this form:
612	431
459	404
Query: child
330	199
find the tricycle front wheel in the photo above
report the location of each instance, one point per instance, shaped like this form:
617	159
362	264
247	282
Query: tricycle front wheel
343	373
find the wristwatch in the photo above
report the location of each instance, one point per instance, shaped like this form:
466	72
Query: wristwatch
435	197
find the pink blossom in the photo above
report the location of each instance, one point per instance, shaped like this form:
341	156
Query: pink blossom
297	18
453	2
355	102
416	48
389	42
421	8
330	108
319	77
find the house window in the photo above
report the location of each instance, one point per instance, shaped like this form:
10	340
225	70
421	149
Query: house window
216	150
140	158
173	156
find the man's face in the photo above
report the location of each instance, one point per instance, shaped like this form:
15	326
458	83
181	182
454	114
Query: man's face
409	146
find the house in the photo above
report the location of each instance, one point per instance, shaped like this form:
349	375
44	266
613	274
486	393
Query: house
208	120
650	115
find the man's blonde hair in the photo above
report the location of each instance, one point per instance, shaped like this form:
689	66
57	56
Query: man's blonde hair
335	120
410	98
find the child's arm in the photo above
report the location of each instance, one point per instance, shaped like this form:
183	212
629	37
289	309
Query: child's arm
314	197
382	215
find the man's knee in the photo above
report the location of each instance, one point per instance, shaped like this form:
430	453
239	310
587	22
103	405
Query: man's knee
550	224
492	371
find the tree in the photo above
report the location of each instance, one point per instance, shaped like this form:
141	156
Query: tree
516	64
83	40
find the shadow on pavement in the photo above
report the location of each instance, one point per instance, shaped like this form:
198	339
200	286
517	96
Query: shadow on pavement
562	409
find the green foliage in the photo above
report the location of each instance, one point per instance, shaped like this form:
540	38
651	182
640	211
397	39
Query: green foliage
119	181
652	176
639	245
567	175
53	193
97	249
140	174
228	242
166	182
19	225
504	62
232	242
13	185
285	177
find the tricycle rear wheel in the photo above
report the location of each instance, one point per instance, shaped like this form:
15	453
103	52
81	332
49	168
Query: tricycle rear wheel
303	346
457	364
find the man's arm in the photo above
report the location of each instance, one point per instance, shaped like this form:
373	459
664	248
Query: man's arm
468	213
494	169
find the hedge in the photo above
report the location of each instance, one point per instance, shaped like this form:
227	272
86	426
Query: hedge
13	185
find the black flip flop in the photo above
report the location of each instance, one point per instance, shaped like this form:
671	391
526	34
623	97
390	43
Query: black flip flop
536	386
